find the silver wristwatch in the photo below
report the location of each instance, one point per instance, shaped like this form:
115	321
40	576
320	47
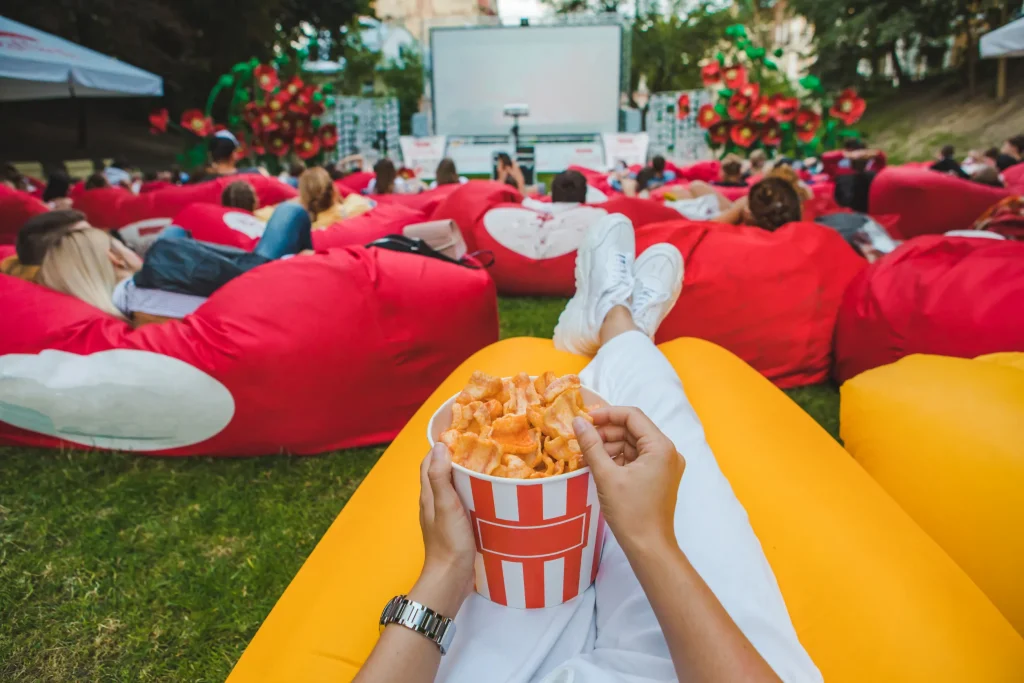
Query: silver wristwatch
420	618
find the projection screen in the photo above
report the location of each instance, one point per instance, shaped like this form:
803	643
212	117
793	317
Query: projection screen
568	75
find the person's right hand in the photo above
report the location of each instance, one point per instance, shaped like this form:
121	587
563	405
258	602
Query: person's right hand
636	469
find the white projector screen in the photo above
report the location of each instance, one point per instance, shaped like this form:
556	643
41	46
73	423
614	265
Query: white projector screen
568	75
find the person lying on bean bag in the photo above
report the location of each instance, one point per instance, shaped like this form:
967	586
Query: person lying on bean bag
319	196
174	280
684	589
770	204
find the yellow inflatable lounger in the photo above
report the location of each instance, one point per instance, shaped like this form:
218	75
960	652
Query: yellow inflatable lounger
945	437
872	596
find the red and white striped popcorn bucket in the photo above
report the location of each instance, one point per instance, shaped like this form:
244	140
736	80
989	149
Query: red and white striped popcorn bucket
538	541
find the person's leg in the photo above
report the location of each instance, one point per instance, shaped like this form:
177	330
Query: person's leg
711	527
698	188
288	232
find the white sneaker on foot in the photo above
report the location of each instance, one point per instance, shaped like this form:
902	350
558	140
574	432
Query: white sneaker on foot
604	279
659	280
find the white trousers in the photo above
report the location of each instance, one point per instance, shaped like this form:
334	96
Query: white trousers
610	632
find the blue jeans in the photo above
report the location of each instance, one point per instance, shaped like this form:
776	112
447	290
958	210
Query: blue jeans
288	232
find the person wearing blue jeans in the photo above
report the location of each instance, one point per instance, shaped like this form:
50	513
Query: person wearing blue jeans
288	232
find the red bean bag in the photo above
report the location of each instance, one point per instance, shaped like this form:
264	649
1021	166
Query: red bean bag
301	356
468	203
596	179
423	201
154	185
769	297
952	296
355	182
1013	178
386	219
140	218
221	225
928	202
708	171
16	207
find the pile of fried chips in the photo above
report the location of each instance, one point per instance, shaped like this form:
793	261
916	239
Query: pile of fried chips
520	428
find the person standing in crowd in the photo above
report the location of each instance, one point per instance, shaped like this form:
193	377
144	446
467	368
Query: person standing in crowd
948	164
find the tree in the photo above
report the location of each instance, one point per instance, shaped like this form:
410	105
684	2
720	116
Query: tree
403	78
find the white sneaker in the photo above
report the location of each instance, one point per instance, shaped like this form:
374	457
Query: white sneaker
604	279
659	281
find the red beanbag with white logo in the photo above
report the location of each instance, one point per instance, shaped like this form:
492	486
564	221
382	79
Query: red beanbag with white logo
303	355
929	202
534	251
385	219
467	204
952	296
769	297
221	225
16	207
140	218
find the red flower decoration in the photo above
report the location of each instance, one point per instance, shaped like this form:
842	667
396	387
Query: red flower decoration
301	127
257	148
298	109
279	102
305	96
762	112
719	133
707	116
807	124
683	106
266	122
406	173
242	151
252	112
740	106
316	108
277	145
196	123
744	134
848	108
294	86
266	77
735	76
158	120
307	148
329	135
751	91
785	107
286	128
771	134
711	74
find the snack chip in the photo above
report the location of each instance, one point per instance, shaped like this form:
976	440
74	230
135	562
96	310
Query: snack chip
518	427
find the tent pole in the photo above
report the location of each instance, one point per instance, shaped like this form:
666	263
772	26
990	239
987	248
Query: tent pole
82	129
1001	80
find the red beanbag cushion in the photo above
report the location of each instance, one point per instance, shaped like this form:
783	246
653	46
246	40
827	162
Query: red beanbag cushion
221	225
302	355
468	203
953	296
929	202
140	218
769	297
426	201
356	182
640	211
708	171
1013	178
16	207
386	219
596	179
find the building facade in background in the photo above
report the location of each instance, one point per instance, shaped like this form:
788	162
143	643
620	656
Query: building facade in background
416	15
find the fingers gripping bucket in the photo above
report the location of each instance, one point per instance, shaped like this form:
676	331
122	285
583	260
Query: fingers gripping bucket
538	541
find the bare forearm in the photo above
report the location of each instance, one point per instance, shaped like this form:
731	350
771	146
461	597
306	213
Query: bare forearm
705	643
404	656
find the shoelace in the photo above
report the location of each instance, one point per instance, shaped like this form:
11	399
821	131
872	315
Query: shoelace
622	266
646	297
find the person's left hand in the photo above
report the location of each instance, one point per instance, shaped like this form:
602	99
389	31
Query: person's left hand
449	548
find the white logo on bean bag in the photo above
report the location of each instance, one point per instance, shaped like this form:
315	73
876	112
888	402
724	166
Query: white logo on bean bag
245	223
124	399
140	234
595	196
540	235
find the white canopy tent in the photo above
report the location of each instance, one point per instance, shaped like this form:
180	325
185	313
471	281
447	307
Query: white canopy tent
38	66
1005	41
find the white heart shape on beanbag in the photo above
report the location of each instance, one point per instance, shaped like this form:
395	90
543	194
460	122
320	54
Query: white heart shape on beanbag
245	223
123	398
540	235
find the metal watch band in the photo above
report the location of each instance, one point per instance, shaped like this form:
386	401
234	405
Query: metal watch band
420	618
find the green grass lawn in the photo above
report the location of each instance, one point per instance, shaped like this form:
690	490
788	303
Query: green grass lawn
117	567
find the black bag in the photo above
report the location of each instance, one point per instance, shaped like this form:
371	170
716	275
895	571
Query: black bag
408	245
187	266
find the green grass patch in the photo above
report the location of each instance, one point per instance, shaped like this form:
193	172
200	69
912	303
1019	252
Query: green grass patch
131	568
